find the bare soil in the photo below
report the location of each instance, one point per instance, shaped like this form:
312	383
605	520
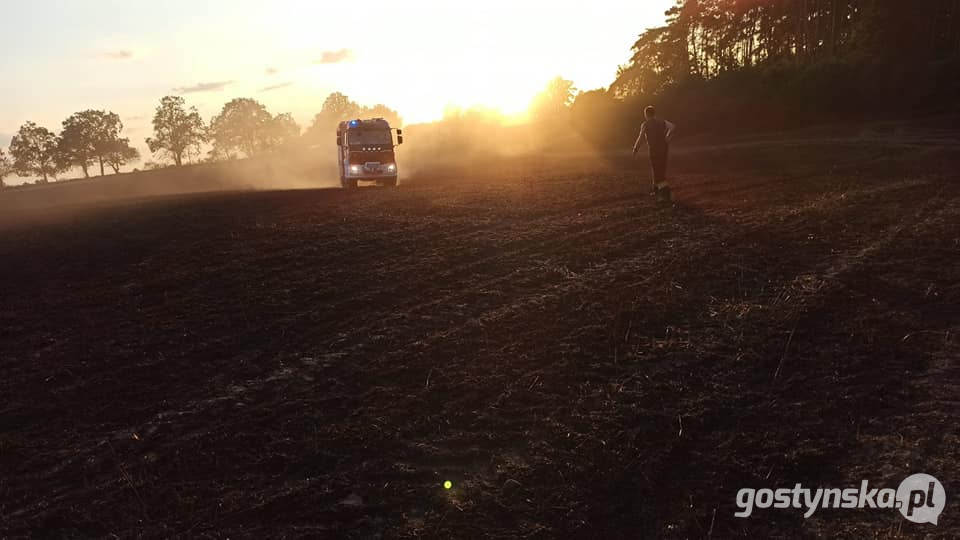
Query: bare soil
577	361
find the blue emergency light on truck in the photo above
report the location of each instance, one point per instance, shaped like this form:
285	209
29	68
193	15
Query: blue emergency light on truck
366	152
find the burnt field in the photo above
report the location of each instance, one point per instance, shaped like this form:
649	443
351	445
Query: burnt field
578	362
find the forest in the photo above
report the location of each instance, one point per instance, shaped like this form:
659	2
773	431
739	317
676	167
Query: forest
729	65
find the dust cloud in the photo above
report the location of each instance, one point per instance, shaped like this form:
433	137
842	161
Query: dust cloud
482	144
300	168
474	144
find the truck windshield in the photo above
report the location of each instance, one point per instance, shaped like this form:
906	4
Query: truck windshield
369	136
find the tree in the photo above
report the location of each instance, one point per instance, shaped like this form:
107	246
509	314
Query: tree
121	153
769	63
76	144
107	140
217	154
336	108
89	136
592	114
284	130
708	38
34	150
382	111
555	99
178	132
6	167
244	125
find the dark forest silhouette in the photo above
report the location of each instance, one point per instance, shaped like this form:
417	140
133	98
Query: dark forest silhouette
731	65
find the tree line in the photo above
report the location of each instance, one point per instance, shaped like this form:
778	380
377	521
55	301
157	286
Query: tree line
706	38
88	138
243	128
737	64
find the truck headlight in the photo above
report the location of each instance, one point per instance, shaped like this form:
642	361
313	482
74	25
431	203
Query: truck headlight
391	167
355	169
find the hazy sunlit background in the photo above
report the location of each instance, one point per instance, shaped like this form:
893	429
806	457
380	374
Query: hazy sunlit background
419	57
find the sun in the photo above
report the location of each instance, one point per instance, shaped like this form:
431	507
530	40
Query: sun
413	90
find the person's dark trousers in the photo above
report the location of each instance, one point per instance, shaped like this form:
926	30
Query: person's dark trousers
658	165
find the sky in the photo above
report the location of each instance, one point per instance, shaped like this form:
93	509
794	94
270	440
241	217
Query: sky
419	57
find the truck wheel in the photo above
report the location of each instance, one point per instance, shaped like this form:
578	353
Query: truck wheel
392	182
349	184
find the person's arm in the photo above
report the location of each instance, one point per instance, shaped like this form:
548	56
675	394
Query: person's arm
643	132
670	128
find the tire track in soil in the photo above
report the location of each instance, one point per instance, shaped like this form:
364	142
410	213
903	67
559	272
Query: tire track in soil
678	465
388	374
279	495
196	408
279	386
538	237
804	388
920	355
455	460
506	255
280	323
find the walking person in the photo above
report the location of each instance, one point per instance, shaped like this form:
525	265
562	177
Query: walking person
657	133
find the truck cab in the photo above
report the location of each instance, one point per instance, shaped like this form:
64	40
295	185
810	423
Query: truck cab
366	152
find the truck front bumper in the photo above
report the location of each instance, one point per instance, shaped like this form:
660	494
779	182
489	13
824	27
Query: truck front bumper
370	177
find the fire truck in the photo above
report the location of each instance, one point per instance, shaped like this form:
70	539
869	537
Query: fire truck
366	152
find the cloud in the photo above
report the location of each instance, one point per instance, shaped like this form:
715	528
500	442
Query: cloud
276	86
272	71
122	54
335	57
203	87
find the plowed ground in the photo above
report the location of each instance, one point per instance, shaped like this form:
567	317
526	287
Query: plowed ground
577	361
